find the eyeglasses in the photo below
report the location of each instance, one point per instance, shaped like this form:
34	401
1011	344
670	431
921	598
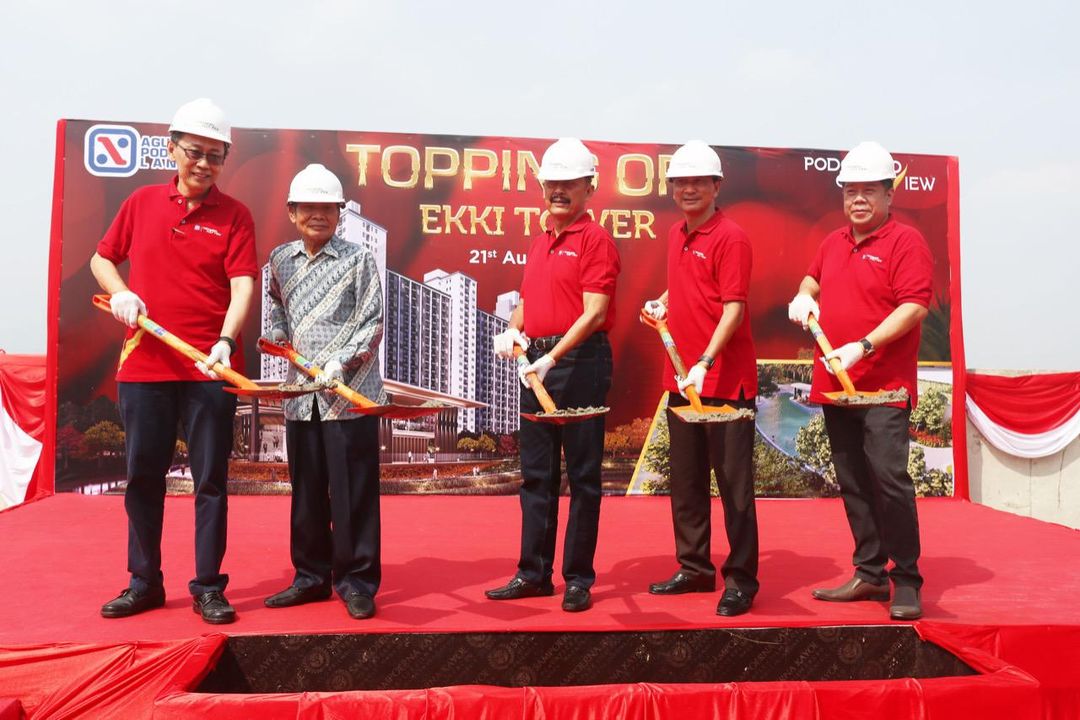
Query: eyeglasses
197	155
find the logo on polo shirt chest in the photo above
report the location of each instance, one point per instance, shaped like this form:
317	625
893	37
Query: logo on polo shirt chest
700	255
566	253
207	229
871	258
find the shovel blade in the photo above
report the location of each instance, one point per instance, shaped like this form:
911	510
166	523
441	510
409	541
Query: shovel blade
873	397
565	417
711	414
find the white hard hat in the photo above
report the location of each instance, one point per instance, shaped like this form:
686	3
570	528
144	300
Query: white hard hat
867	162
316	184
203	118
695	159
566	159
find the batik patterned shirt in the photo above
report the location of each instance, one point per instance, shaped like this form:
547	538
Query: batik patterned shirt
330	308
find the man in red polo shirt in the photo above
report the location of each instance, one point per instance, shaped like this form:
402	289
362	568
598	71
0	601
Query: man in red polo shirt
192	268
709	259
870	286
567	306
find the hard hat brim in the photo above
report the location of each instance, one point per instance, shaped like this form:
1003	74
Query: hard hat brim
202	132
312	199
864	177
544	177
688	173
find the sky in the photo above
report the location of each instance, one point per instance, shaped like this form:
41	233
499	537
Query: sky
996	84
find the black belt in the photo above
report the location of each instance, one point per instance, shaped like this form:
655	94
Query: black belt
548	342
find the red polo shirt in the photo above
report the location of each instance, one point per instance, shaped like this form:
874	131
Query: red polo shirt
707	268
181	264
860	286
583	258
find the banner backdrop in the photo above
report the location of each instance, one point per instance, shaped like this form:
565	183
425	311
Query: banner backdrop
449	220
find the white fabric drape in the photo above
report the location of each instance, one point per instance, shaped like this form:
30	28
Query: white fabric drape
19	455
1023	445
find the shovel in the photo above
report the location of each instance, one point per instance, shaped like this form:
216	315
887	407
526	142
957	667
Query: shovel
364	406
695	412
849	395
551	413
241	385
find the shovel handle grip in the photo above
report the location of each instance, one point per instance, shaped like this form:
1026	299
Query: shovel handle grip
101	302
826	347
676	360
534	382
287	351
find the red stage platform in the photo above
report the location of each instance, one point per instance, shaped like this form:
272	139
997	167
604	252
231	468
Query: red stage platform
1000	593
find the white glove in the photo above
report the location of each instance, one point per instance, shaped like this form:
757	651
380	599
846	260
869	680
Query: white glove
656	309
218	354
800	307
694	376
331	370
126	307
848	355
540	367
504	342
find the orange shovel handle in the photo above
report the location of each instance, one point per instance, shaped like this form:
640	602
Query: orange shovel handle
534	382
101	302
826	347
287	351
669	344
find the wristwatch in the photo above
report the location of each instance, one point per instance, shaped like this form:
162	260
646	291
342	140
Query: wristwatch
706	361
868	347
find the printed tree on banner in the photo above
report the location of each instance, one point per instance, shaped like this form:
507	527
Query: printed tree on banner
485	444
928	420
69	444
508	445
812	447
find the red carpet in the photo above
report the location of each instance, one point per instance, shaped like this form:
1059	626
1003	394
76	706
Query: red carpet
995	583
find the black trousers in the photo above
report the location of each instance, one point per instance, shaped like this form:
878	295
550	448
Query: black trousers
580	379
870	449
335	524
728	450
151	412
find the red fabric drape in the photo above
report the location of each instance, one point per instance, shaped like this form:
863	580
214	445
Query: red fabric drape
1029	404
22	392
22	386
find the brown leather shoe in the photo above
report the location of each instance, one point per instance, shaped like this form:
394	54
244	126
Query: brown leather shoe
906	604
853	590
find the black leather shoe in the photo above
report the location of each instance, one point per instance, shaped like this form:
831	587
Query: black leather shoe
576	599
519	587
682	582
853	590
293	595
214	608
906	604
360	607
130	603
734	602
